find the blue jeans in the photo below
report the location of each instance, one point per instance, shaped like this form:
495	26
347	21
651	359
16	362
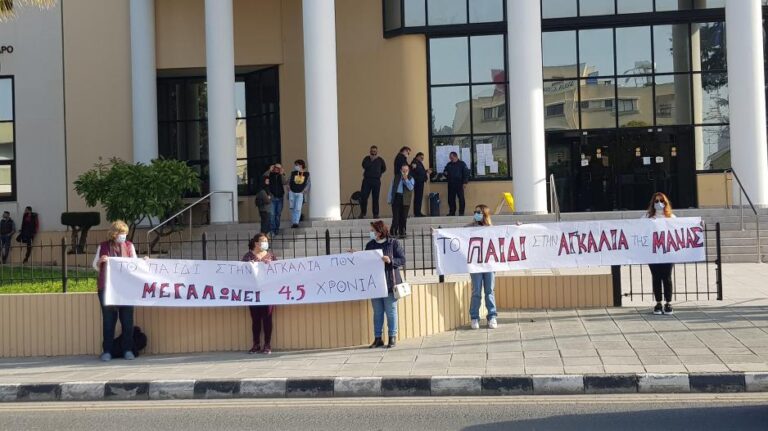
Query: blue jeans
5	246
295	201
478	281
277	211
382	306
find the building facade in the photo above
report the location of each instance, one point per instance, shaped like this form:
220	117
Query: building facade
614	99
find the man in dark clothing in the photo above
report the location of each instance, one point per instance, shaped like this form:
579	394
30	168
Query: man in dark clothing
420	176
7	229
277	182
373	168
29	227
457	174
400	160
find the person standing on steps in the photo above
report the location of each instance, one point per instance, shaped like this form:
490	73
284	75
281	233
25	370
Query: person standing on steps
30	225
298	187
401	159
420	177
482	281
373	168
261	315
457	173
277	183
661	273
264	204
400	195
394	259
7	229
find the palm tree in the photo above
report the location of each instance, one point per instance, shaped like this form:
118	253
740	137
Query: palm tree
8	7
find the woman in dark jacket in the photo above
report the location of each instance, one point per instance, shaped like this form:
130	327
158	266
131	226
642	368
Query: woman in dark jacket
394	259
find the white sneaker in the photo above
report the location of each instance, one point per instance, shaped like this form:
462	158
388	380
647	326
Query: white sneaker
492	323
475	324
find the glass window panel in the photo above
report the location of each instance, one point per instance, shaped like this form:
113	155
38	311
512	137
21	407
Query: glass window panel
597	103
713	88
635	6
195	101
415	13
443	146
596	7
667	5
392	14
241	139
196	145
709	4
491	158
713	145
6	141
635	101
558	8
443	12
561	106
487	58
489	108
6	181
448	60
633	50
671	48
596	52
673	99
6	99
450	110
710	38
559	54
486	10
240	99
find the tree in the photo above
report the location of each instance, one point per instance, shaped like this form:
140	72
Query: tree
8	7
138	192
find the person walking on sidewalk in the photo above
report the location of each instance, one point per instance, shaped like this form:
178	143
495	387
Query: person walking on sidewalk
298	187
457	174
394	259
30	225
400	195
277	183
116	246
264	204
661	273
7	229
420	177
373	168
482	280
261	315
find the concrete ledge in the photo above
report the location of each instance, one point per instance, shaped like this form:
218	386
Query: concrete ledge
8	393
718	383
171	389
610	384
357	386
558	385
213	389
406	386
507	385
663	383
456	385
41	392
126	391
263	388
755	382
82	391
318	387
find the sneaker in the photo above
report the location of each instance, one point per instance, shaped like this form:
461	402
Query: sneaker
255	349
129	356
668	308
475	324
105	357
657	309
492	323
267	349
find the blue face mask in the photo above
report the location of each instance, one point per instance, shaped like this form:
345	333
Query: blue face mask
372	235
478	217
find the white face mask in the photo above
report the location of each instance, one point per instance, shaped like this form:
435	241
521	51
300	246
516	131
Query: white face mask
372	235
659	206
121	238
264	246
297	168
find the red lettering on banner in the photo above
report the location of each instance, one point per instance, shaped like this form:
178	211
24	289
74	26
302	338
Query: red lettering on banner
176	288
236	294
563	246
208	292
475	243
582	243
502	255
149	289
163	293
512	255
680	240
658	242
623	243
191	292
592	244
571	236
492	252
667	241
695	239
522	248
671	244
613	239
604	242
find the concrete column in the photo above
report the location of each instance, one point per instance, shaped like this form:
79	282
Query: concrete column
220	64
527	112
746	83
322	108
143	80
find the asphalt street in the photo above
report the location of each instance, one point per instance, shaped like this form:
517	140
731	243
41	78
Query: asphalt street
615	412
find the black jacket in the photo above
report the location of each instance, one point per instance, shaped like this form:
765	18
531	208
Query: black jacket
400	160
374	168
277	184
457	172
392	248
418	171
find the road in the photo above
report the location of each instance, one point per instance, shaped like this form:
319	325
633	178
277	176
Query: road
631	412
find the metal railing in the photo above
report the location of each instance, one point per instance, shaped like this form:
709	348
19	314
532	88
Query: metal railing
553	199
743	194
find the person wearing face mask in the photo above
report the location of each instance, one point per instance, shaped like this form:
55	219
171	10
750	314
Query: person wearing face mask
482	280
661	273
116	246
400	195
298	187
373	168
7	229
261	315
394	259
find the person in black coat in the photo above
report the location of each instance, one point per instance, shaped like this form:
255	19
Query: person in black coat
394	259
420	175
457	173
373	168
400	160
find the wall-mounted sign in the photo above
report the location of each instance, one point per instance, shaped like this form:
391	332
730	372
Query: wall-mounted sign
6	49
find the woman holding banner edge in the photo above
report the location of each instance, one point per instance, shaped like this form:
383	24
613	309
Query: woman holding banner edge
394	259
482	217
661	273
261	315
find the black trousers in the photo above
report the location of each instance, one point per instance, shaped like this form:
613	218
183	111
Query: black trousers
456	191
418	198
399	216
266	221
661	275
372	187
261	317
109	316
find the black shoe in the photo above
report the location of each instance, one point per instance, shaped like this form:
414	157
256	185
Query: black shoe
392	342
378	342
668	308
451	215
294	226
657	309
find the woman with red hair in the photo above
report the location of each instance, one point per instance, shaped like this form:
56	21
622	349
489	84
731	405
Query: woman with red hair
661	273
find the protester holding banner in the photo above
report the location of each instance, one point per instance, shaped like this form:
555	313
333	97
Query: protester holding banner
261	315
661	273
394	259
116	246
480	280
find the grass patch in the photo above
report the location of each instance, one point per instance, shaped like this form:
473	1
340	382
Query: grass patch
21	279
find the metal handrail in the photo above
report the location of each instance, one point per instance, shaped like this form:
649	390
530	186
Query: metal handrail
554	201
743	193
188	208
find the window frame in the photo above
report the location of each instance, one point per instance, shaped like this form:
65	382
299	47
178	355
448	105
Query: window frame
13	196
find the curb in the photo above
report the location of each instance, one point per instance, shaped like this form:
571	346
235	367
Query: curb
406	386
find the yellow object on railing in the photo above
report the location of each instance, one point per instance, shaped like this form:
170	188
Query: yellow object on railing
509	200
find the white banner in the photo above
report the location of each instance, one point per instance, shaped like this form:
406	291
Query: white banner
569	244
202	283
